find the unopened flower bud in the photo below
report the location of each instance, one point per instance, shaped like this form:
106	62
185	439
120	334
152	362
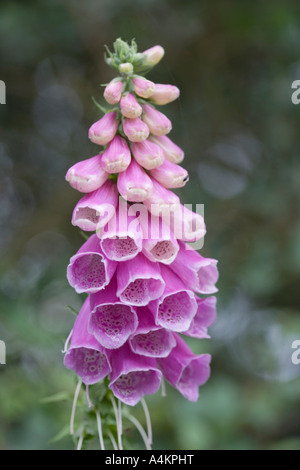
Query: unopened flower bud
134	184
116	157
135	129
164	94
104	130
147	154
170	175
113	91
87	175
157	122
143	87
130	108
126	68
171	151
153	55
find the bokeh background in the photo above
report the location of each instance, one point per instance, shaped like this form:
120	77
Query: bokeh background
234	63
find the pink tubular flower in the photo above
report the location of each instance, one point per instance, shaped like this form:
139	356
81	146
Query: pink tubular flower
159	243
147	154
205	316
130	108
104	130
161	201
170	175
157	122
111	322
95	209
134	184
135	129
164	94
87	175
184	370
177	306
187	225
139	281
122	237
153	55
89	270
171	151
133	376
113	91
149	339
143	87
86	357
116	157
198	273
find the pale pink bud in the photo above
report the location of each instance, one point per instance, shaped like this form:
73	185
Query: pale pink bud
157	122
113	91
162	201
116	157
143	87
170	175
164	94
130	107
172	152
135	129
153	55
104	130
134	184
147	154
87	175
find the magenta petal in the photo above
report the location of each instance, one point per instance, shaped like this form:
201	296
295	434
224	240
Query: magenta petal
205	316
196	272
95	209
86	357
111	322
176	308
122	237
104	130
184	370
132	376
134	184
89	270
139	281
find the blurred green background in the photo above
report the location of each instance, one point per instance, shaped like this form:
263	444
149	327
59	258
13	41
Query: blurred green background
234	63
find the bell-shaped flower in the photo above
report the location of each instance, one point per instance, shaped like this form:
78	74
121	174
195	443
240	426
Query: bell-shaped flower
133	376
139	281
122	238
85	356
113	91
185	370
111	322
198	273
143	87
164	94
150	339
89	270
177	306
205	316
95	209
